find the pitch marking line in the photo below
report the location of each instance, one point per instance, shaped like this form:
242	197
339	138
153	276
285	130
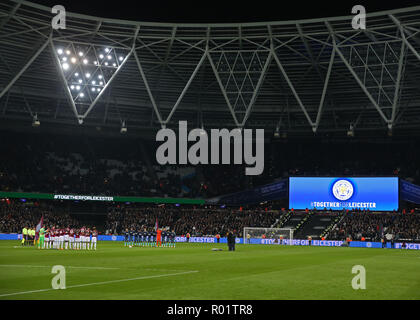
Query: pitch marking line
99	283
71	267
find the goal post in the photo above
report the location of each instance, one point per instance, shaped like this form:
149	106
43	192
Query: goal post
280	235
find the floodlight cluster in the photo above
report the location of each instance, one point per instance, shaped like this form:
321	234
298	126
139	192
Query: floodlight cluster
87	69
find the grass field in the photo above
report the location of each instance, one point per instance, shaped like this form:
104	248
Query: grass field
194	271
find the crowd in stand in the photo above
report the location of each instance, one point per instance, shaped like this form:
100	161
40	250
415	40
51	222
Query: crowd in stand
196	221
205	220
14	215
373	226
118	166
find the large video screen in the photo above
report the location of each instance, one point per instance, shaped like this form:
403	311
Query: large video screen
374	194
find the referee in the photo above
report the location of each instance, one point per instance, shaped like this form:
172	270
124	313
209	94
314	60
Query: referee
231	241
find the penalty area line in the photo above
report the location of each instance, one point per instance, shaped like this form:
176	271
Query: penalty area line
100	283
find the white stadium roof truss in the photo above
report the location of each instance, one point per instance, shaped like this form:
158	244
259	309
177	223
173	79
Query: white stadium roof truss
317	74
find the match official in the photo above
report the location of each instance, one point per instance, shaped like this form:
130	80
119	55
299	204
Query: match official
231	241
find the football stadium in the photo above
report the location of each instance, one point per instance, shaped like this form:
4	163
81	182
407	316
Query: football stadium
146	160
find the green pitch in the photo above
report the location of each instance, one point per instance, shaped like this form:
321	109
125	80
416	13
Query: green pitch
194	271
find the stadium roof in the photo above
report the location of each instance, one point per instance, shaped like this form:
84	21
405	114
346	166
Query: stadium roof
303	76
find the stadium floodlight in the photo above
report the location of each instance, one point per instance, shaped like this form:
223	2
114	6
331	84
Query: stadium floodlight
65	66
87	75
114	64
350	132
106	63
85	61
80	80
76	74
95	62
109	57
80	53
279	235
73	60
101	83
72	87
60	51
123	128
98	89
101	56
68	52
64	59
77	87
121	58
93	89
100	76
93	82
106	50
35	121
82	95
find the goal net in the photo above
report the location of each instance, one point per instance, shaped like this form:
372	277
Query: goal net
279	235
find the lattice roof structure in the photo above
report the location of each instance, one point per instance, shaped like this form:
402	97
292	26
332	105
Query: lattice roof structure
303	76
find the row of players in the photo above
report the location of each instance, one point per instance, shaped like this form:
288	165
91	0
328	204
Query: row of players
68	238
145	238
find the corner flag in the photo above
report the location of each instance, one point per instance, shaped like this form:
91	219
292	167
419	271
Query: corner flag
39	226
156	225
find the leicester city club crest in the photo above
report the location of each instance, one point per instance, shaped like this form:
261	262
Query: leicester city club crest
342	190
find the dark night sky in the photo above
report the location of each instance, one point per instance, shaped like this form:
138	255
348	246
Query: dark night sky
221	11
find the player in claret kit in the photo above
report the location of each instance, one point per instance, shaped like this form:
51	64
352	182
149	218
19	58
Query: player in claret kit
52	237
94	238
82	238
61	240
47	238
77	239
71	239
66	238
87	238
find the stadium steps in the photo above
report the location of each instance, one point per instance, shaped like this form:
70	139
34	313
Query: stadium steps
300	226
334	222
315	225
294	220
283	219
